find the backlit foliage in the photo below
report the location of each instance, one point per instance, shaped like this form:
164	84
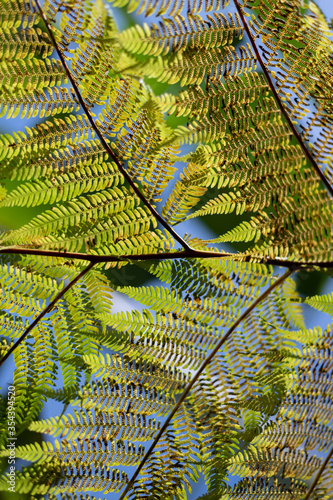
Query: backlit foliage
113	168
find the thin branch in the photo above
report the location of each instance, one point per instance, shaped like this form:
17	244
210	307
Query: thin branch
318	476
279	102
45	311
199	372
112	155
181	254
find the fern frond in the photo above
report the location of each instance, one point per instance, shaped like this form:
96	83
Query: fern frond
118	454
185	195
148	242
124	105
173	34
203	310
148	374
30	75
64	186
24	293
38	142
322	303
252	487
179	447
295	434
116	213
262	198
165	338
17	12
190	67
12	324
217	373
35	372
47	479
253	462
305	40
82	425
42	103
103	395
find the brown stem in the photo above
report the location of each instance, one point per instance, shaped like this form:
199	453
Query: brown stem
318	476
112	155
279	102
45	311
199	372
181	254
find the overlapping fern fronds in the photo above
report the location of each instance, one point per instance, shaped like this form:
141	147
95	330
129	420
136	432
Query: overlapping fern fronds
212	371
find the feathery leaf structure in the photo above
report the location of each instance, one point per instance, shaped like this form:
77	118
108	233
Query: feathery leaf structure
100	158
